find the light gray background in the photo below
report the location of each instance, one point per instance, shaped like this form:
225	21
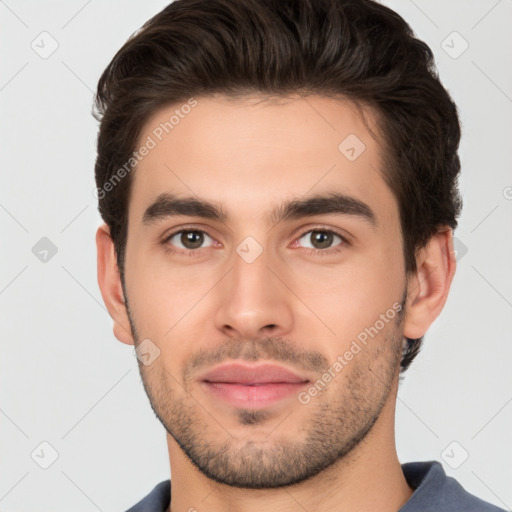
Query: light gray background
66	380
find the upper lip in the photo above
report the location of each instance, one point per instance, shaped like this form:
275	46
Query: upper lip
251	374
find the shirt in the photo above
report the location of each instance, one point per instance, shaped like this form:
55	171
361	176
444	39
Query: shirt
434	491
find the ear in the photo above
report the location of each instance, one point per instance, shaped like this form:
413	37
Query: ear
428	288
109	280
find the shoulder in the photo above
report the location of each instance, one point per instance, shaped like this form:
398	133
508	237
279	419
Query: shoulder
435	491
156	501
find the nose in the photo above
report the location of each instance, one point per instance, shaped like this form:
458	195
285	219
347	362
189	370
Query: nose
253	301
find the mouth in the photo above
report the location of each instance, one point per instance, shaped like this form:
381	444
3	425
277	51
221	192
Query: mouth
255	386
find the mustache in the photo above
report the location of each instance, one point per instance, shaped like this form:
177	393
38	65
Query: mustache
269	348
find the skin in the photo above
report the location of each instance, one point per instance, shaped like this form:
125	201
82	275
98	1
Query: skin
290	305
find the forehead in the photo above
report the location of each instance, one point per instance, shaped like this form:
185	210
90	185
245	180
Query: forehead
252	153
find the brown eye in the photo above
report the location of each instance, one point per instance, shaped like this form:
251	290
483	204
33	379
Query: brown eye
188	239
320	239
192	239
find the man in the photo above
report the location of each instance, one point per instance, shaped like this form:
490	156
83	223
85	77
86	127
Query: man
278	181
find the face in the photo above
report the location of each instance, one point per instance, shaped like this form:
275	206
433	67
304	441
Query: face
296	260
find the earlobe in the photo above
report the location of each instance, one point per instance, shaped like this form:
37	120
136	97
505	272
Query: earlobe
428	289
109	281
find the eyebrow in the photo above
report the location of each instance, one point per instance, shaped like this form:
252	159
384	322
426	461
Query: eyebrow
168	205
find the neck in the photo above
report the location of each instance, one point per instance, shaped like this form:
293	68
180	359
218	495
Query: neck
369	478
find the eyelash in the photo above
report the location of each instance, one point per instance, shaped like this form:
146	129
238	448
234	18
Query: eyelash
193	252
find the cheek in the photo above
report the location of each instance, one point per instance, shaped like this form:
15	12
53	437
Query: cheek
348	295
161	294
352	295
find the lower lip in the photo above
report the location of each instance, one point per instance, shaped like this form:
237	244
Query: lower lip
255	396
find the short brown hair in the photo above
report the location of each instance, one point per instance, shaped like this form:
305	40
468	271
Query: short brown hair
354	49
